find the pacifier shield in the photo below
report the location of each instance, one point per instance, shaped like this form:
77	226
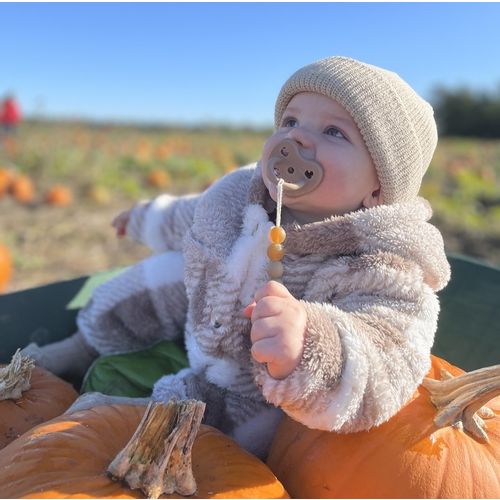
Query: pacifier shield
300	175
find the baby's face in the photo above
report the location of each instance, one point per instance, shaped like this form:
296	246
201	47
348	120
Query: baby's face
326	132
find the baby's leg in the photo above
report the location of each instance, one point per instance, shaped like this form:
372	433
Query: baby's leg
68	358
254	423
139	307
93	399
250	422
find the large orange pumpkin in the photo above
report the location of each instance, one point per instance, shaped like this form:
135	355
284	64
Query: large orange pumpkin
5	267
406	457
68	457
47	397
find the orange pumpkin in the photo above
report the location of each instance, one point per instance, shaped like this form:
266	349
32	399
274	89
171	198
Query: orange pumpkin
22	189
47	398
159	178
406	457
5	267
163	151
59	196
68	457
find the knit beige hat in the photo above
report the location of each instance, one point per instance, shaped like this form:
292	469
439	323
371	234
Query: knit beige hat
397	125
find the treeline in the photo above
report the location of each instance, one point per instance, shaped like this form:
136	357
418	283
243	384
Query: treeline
465	112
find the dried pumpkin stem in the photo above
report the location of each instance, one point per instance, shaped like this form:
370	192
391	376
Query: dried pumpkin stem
15	378
157	459
459	400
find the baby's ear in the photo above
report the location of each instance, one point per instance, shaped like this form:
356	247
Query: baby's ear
373	199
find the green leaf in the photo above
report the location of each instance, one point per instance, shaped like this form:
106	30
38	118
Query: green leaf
134	374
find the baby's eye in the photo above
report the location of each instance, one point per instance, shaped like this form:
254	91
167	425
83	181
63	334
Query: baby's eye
289	122
335	132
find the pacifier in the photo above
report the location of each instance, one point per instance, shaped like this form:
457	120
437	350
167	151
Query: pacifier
300	175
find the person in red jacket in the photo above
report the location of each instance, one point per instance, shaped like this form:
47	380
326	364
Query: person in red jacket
10	114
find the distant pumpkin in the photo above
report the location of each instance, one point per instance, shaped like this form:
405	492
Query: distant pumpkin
98	195
22	188
5	180
159	178
59	196
5	267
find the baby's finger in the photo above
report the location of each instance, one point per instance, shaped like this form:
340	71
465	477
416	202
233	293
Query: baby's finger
247	312
272	288
265	328
263	351
267	307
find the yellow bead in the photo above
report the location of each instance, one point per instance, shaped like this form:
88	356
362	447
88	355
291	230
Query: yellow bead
277	234
275	251
275	269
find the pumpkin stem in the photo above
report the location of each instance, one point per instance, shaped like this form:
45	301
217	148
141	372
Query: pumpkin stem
459	400
15	378
157	459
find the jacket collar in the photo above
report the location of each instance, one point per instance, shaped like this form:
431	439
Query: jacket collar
400	228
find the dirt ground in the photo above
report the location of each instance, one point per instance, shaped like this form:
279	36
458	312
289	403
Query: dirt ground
52	244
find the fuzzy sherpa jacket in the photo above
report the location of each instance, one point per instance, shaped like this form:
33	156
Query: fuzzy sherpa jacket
368	281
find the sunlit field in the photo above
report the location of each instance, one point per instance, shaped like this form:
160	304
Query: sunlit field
100	170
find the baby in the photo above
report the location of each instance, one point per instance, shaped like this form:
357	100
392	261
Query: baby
342	341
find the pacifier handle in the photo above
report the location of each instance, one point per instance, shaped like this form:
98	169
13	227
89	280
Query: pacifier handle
301	175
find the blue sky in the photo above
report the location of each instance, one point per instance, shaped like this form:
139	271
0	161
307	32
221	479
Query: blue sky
225	62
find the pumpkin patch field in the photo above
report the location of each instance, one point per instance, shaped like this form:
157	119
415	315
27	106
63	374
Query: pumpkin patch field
61	184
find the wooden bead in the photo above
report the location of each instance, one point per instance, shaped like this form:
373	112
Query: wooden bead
275	251
277	234
275	269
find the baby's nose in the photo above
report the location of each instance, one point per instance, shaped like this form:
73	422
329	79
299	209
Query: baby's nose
301	135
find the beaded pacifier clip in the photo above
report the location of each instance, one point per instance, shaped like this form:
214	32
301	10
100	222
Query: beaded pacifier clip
277	235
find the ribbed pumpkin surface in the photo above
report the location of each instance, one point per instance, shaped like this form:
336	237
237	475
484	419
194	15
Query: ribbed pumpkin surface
5	267
407	457
68	457
48	397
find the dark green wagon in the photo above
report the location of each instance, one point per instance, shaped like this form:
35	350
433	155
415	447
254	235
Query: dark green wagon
468	330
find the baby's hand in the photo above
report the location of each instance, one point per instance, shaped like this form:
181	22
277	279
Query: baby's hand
120	223
278	329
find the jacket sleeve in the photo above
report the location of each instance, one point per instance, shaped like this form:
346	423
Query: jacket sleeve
161	223
365	353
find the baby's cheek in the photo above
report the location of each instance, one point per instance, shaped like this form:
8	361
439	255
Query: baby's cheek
335	181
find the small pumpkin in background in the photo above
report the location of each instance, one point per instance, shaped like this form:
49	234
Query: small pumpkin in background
6	177
22	189
5	267
29	396
59	196
416	454
159	178
97	194
68	458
